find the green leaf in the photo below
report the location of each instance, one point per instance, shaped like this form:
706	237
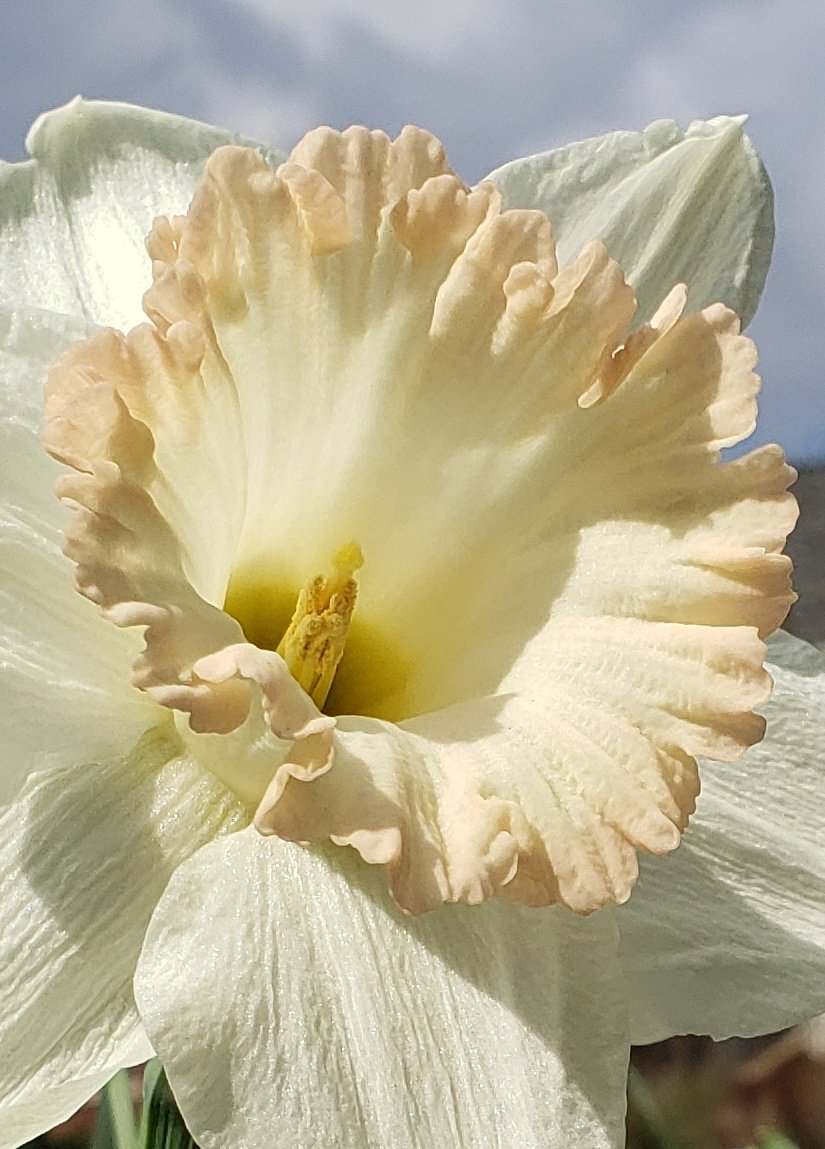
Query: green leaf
774	1140
116	1127
162	1126
642	1104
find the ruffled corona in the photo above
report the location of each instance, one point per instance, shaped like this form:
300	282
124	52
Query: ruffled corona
563	590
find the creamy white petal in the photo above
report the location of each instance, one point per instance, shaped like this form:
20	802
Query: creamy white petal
727	936
30	341
73	219
61	667
85	853
693	206
291	1003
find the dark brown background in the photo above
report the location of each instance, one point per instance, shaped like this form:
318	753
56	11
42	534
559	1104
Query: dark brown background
806	547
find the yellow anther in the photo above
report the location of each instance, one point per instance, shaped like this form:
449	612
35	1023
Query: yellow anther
314	641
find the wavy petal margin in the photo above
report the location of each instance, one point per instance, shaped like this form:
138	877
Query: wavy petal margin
61	666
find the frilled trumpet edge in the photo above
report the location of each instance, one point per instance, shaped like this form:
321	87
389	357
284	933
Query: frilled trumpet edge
357	346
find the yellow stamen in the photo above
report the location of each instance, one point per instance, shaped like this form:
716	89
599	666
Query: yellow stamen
314	641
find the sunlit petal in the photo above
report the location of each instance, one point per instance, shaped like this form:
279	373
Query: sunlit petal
73	218
694	206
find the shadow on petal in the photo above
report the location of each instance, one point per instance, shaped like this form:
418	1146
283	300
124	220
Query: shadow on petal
88	854
722	947
280	984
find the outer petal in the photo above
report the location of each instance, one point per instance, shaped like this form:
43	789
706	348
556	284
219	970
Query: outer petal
671	206
727	936
74	218
288	999
61	667
85	855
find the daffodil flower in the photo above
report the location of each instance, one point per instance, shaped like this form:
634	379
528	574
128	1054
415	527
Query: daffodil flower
398	527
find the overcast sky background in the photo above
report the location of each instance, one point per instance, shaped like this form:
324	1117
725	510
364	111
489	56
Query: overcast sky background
495	79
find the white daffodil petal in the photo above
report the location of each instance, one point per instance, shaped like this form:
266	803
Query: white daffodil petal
74	218
30	341
726	935
61	667
22	1121
288	999
85	853
671	206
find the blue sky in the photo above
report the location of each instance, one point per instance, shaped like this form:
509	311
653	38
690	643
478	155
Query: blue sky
495	79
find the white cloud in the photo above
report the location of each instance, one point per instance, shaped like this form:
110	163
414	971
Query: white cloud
435	29
765	59
250	106
149	28
733	48
494	78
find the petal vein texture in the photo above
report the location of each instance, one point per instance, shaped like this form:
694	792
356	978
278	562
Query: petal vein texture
338	1021
693	205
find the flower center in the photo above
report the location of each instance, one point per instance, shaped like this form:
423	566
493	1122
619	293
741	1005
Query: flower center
314	641
346	664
